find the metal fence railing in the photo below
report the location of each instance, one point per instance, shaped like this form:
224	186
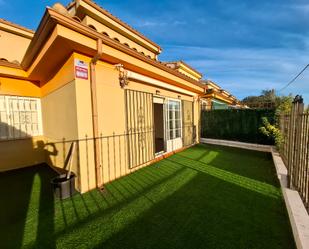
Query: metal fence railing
119	154
295	148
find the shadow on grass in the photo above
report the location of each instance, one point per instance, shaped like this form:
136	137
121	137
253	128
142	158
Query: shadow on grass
208	213
176	203
26	195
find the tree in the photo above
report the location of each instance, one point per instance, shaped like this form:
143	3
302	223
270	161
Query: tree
282	105
269	99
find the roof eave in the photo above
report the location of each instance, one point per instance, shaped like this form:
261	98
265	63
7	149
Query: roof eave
51	18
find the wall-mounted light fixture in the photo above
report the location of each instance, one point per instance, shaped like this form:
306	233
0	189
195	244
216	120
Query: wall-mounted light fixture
123	75
157	92
179	97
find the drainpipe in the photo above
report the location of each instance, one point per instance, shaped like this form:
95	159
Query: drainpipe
94	107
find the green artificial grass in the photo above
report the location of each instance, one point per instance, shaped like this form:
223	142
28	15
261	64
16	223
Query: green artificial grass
204	197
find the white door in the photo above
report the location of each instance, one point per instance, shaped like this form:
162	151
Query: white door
174	125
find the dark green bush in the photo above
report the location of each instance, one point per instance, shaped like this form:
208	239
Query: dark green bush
238	125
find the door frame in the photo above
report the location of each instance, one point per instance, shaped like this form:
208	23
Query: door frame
159	99
176	143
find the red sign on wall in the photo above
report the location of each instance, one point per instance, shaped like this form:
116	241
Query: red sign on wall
81	69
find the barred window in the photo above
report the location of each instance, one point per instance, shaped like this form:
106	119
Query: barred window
20	117
174	119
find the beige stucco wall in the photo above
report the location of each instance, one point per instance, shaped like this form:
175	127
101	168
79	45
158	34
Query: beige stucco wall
112	119
85	132
59	113
20	153
12	47
113	34
18	87
189	74
59	117
117	26
67	117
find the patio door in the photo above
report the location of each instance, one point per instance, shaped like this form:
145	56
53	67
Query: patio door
139	122
174	125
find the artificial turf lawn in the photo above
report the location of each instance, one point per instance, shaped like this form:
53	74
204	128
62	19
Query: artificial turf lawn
204	197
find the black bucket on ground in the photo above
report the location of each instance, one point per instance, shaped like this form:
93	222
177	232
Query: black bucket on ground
63	187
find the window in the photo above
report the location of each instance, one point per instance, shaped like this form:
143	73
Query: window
104	33
20	117
116	39
76	18
174	119
92	27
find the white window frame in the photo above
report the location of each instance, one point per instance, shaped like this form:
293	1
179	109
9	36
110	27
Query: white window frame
7	112
169	129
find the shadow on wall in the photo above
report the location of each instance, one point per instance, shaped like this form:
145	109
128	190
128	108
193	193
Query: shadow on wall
24	192
18	149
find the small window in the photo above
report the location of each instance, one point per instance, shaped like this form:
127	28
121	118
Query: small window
76	18
92	27
116	39
3	59
135	49
142	53
149	56
104	33
20	117
126	44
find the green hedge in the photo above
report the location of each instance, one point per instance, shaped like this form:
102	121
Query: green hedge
238	125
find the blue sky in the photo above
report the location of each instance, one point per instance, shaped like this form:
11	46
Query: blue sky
244	46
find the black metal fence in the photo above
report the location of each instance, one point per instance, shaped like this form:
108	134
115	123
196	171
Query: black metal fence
120	154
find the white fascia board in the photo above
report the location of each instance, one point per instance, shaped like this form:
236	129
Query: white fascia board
158	83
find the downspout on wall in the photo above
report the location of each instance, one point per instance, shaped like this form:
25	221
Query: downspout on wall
94	107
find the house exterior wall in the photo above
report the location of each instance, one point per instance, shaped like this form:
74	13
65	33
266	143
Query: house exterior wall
67	117
113	34
19	87
187	73
49	73
112	126
11	40
20	153
89	8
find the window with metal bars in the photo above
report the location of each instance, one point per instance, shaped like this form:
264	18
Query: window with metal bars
20	117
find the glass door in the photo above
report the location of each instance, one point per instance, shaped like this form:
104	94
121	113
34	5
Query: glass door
174	125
